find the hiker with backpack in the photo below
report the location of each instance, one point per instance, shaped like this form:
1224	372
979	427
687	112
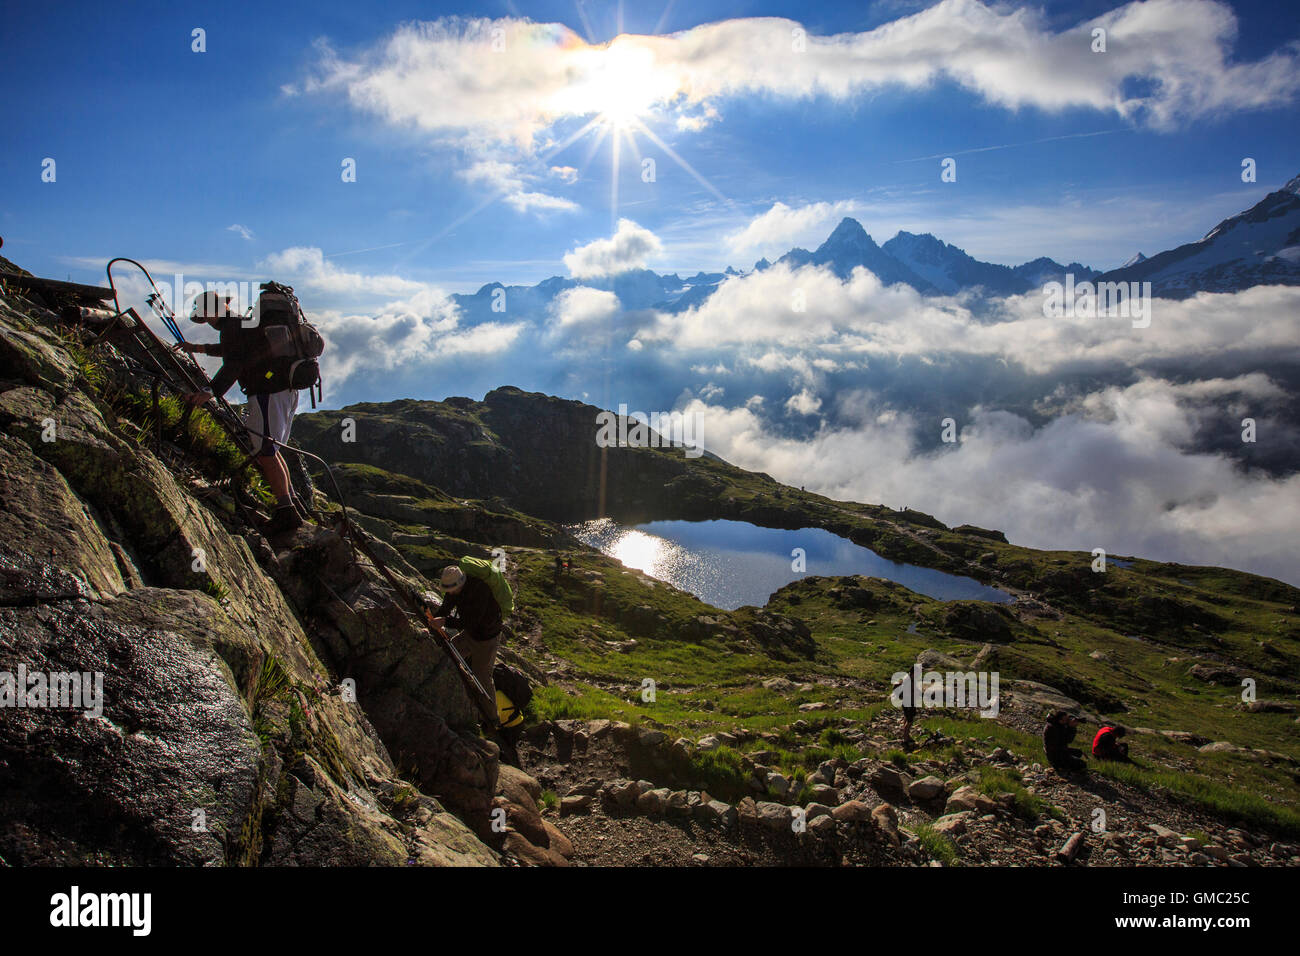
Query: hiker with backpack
272	359
476	599
904	694
1058	734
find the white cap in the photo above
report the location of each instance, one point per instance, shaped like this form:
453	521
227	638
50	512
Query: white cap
453	578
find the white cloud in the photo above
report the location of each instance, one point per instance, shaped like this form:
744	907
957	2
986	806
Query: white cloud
1115	480
858	319
419	331
630	247
243	231
307	267
802	402
510	81
566	173
582	306
506	179
782	226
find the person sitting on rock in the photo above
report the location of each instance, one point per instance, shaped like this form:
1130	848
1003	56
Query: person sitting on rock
1108	746
469	605
1058	734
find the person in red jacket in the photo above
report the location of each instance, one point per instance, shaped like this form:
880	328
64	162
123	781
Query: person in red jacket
1107	744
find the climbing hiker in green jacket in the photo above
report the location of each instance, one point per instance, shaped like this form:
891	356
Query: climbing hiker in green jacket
469	605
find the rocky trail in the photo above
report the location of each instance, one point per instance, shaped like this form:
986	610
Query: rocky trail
620	798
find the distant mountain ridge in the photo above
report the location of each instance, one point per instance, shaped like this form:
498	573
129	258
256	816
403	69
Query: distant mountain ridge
1258	246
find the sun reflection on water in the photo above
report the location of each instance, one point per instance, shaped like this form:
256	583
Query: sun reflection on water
640	551
649	553
728	564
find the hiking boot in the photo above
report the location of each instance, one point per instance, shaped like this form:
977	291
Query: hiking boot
286	518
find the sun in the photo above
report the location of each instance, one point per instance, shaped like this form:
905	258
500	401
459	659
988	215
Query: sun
624	84
619	87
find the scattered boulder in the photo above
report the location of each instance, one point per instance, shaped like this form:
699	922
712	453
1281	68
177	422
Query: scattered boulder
1220	747
649	738
778	784
927	788
719	813
886	819
773	816
575	803
826	793
978	621
852	811
1269	707
682	802
887	781
1215	673
968	798
623	793
653	802
953	824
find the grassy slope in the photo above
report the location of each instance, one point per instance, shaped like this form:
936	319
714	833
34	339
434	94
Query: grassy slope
1146	623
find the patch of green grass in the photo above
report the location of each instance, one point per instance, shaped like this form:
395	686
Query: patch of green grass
995	781
897	757
550	800
271	683
722	770
1243	806
936	844
405	798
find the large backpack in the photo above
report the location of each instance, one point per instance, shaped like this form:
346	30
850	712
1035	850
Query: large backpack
487	571
293	344
517	689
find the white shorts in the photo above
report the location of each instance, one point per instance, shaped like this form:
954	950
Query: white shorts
268	419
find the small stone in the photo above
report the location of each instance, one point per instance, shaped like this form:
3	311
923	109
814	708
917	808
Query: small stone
854	811
652	802
886	818
778	784
954	824
774	816
577	803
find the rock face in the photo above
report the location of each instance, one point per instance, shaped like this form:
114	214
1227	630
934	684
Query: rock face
222	734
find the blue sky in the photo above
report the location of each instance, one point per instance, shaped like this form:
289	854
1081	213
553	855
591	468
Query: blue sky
483	137
186	145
